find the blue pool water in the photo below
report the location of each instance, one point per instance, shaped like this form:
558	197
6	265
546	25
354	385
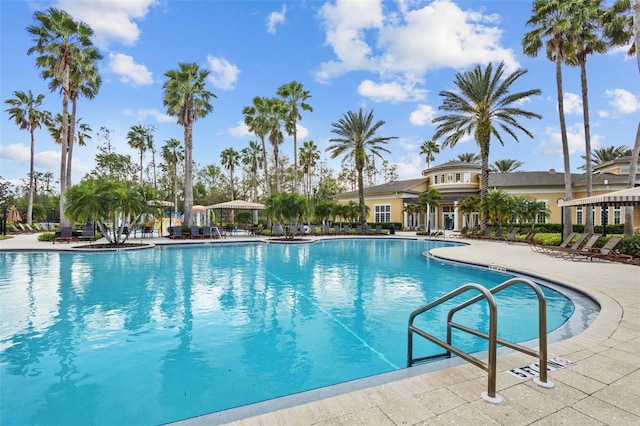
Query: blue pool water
153	336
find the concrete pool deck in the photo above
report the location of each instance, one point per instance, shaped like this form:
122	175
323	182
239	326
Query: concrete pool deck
603	387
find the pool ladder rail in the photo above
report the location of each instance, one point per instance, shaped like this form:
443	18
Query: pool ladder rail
490	366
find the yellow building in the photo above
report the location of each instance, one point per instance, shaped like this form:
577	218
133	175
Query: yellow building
456	180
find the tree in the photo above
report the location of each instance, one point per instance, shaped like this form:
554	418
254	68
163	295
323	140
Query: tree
506	165
173	154
58	41
288	208
551	28
469	206
251	157
429	199
496	206
140	139
610	153
294	97
309	155
428	148
255	117
275	115
230	158
484	106
24	111
186	97
469	157
356	140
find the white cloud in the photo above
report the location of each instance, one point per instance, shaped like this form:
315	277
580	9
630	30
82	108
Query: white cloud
572	103
603	114
224	74
20	153
552	144
366	37
240	131
129	72
392	92
15	152
110	20
302	132
143	114
623	100
422	115
275	19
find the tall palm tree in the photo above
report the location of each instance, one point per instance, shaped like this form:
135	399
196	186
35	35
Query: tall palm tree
505	165
230	158
24	111
251	157
138	138
469	157
468	206
429	199
58	40
356	140
586	18
428	148
186	97
294	97
484	106
255	117
309	156
173	154
551	27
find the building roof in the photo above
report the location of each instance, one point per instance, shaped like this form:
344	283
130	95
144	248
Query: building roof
549	178
405	186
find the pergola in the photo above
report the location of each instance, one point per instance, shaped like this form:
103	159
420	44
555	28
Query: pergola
625	197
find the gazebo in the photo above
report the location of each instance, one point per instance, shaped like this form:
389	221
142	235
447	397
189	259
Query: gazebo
625	197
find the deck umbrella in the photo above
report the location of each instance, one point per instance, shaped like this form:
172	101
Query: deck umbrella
13	215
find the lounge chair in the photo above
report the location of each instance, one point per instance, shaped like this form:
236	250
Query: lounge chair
379	230
498	235
579	253
88	233
567	245
606	252
175	233
66	235
368	230
347	229
277	231
337	230
313	230
511	236
195	233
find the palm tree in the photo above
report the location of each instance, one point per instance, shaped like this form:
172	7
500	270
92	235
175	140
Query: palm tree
58	41
411	210
469	157
586	20
24	111
138	138
356	141
506	165
275	115
172	153
429	199
496	206
469	206
230	158
255	117
294	97
251	157
610	153
186	97
550	19
428	148
484	106
309	155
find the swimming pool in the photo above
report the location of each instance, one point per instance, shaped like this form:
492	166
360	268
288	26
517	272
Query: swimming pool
153	336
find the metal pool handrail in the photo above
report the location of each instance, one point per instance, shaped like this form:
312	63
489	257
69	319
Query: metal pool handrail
490	366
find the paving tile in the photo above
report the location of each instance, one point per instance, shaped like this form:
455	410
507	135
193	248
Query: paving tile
603	368
606	413
366	417
407	411
621	395
567	416
440	400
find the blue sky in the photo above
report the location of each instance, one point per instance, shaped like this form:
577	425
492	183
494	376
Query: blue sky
392	57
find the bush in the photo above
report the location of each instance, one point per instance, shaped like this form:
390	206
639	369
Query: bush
46	236
630	245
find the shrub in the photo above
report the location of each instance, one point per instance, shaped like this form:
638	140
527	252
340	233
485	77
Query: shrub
46	236
630	245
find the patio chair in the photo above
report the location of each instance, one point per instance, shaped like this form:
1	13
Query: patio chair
347	229
566	245
88	233
511	236
368	230
206	232
606	252
379	230
277	231
313	230
66	235
337	230
498	235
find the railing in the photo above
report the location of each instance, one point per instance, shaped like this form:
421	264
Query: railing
491	336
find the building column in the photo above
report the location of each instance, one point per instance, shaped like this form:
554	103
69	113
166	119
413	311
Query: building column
455	216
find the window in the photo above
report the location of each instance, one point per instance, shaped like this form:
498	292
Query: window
467	177
435	180
382	213
457	177
442	178
579	215
450	177
541	218
616	215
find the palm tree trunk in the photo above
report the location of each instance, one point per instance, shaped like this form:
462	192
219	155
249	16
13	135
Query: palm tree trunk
265	166
64	136
567	227
633	171
295	160
188	173
70	138
31	180
587	142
